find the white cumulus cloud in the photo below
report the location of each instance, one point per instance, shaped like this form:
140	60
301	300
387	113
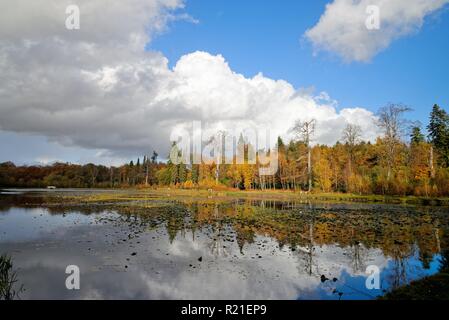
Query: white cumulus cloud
342	29
98	88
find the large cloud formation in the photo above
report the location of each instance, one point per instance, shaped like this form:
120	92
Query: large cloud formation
98	88
342	29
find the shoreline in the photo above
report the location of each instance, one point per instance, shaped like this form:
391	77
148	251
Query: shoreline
274	195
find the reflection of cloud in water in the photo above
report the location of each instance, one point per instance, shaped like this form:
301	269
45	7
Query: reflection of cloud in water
19	224
153	274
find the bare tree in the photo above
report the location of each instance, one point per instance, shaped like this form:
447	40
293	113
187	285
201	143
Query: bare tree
217	141
111	176
305	130
351	136
392	122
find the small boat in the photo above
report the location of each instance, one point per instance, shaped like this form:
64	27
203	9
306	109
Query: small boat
51	187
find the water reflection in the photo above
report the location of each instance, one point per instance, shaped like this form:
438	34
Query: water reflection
238	249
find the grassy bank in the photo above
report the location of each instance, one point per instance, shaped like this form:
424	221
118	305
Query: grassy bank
435	287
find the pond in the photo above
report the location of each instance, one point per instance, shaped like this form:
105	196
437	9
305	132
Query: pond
217	248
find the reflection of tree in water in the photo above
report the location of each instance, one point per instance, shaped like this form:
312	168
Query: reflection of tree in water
425	244
427	237
397	231
175	221
217	245
357	256
8	279
357	252
305	253
399	275
444	258
244	225
370	226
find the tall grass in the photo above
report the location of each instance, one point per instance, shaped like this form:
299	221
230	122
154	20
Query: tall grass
8	278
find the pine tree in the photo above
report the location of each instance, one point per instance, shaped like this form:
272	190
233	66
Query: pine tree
154	157
439	133
416	137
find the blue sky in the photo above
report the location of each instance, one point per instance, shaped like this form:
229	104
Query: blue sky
267	37
309	44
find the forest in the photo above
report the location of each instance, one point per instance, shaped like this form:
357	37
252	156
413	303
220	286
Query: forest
402	161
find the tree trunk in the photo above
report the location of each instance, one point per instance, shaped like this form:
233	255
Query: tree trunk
431	167
146	174
309	167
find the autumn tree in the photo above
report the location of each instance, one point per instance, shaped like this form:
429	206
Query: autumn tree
322	170
351	137
420	168
392	123
305	131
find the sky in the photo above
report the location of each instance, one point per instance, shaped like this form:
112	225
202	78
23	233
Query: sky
116	88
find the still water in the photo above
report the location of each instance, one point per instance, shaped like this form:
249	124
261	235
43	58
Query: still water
218	249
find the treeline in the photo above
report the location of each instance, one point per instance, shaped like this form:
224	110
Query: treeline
66	175
402	161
